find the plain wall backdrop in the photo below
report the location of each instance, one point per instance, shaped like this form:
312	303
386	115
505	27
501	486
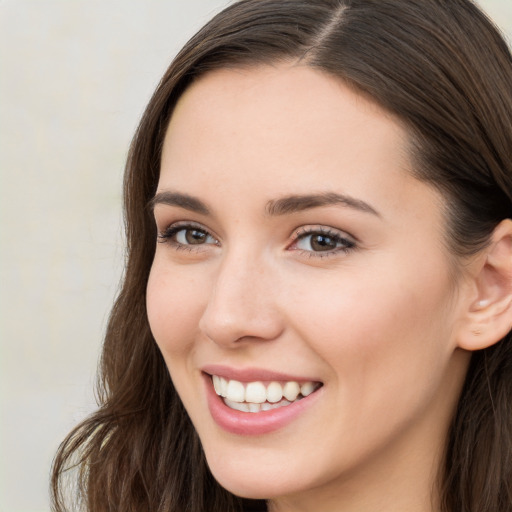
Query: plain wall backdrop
75	76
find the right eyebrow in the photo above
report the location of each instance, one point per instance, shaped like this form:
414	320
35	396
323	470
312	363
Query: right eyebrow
178	199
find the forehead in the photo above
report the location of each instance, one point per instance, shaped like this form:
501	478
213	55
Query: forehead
269	131
294	98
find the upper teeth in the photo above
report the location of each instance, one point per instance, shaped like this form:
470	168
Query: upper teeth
258	393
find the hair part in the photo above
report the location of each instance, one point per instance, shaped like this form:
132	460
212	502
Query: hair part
440	67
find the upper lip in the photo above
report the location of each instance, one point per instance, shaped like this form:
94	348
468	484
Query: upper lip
252	374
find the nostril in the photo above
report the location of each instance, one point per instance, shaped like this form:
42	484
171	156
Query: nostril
232	326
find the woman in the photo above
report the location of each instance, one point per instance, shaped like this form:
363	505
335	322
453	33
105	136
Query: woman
317	301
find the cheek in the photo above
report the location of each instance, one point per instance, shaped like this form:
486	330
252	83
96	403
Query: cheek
377	334
174	303
386	350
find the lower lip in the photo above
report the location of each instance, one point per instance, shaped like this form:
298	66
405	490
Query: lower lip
257	423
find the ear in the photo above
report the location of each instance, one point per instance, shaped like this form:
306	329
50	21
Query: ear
489	314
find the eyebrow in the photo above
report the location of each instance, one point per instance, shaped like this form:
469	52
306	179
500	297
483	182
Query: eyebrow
275	207
298	203
178	199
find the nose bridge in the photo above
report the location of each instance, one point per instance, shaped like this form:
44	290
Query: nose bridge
241	304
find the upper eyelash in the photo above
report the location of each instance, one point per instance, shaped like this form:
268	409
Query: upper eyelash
322	230
349	241
166	235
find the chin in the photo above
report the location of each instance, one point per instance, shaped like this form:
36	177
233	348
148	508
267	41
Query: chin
253	481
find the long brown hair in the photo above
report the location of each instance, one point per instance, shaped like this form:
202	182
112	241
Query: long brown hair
443	69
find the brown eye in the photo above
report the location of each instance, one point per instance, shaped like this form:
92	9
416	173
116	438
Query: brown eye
187	236
321	242
195	236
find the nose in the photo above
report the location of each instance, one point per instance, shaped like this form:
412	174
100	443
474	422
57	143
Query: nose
242	304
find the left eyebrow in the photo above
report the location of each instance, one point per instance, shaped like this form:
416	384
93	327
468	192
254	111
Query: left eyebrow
298	203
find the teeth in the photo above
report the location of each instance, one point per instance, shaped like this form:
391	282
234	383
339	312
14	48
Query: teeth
267	406
220	385
255	392
249	407
223	387
291	391
236	391
256	397
244	407
277	405
254	407
274	392
216	384
307	388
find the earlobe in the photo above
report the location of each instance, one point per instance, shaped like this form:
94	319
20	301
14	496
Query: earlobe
489	316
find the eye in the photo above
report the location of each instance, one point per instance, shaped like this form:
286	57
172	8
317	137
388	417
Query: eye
322	240
186	235
193	236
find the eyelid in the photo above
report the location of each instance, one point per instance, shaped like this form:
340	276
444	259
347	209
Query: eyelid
184	224
326	230
165	235
350	242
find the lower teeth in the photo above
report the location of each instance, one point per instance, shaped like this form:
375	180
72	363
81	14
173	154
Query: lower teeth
251	407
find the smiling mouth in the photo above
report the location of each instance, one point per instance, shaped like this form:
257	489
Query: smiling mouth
258	396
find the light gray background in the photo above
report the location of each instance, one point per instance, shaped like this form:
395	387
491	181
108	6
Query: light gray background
75	76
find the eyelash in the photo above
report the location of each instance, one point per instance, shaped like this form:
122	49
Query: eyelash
346	243
168	234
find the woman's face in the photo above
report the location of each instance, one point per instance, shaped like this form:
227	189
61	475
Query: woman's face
298	255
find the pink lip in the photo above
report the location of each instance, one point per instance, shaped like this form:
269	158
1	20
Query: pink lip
252	374
255	424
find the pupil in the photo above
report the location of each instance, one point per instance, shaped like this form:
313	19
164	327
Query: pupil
194	236
322	243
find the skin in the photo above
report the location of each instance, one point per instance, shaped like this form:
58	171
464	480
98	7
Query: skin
377	323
